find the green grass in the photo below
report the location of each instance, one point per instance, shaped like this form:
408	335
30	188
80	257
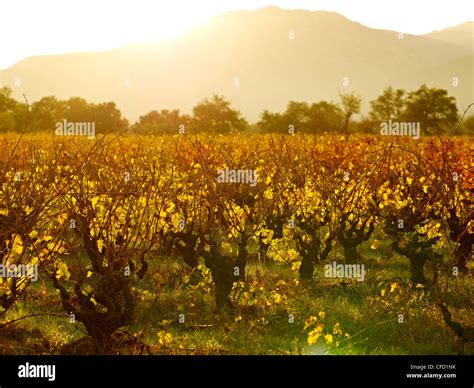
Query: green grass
263	329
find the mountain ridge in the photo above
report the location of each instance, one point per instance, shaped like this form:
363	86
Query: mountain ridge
252	59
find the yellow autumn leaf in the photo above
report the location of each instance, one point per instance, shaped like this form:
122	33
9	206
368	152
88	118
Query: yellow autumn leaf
328	338
268	194
295	266
17	245
313	336
308	322
63	270
33	234
165	338
100	245
337	329
276	297
375	244
94	201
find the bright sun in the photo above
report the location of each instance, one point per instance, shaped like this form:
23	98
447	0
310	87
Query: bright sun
56	26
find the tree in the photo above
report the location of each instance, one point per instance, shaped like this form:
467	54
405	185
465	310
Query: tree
325	116
432	108
296	114
165	121
7	122
108	118
46	112
468	125
105	115
9	109
216	115
318	117
270	122
388	106
350	106
6	101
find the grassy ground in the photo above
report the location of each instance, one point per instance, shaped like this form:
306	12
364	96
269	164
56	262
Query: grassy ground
268	318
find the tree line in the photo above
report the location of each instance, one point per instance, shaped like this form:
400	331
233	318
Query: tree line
433	108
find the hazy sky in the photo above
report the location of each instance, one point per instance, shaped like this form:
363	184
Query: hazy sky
35	27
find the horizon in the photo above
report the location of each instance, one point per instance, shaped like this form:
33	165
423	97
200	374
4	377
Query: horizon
174	22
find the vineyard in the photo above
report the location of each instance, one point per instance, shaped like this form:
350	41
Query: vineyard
257	244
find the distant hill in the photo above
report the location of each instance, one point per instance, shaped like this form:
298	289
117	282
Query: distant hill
461	35
272	68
